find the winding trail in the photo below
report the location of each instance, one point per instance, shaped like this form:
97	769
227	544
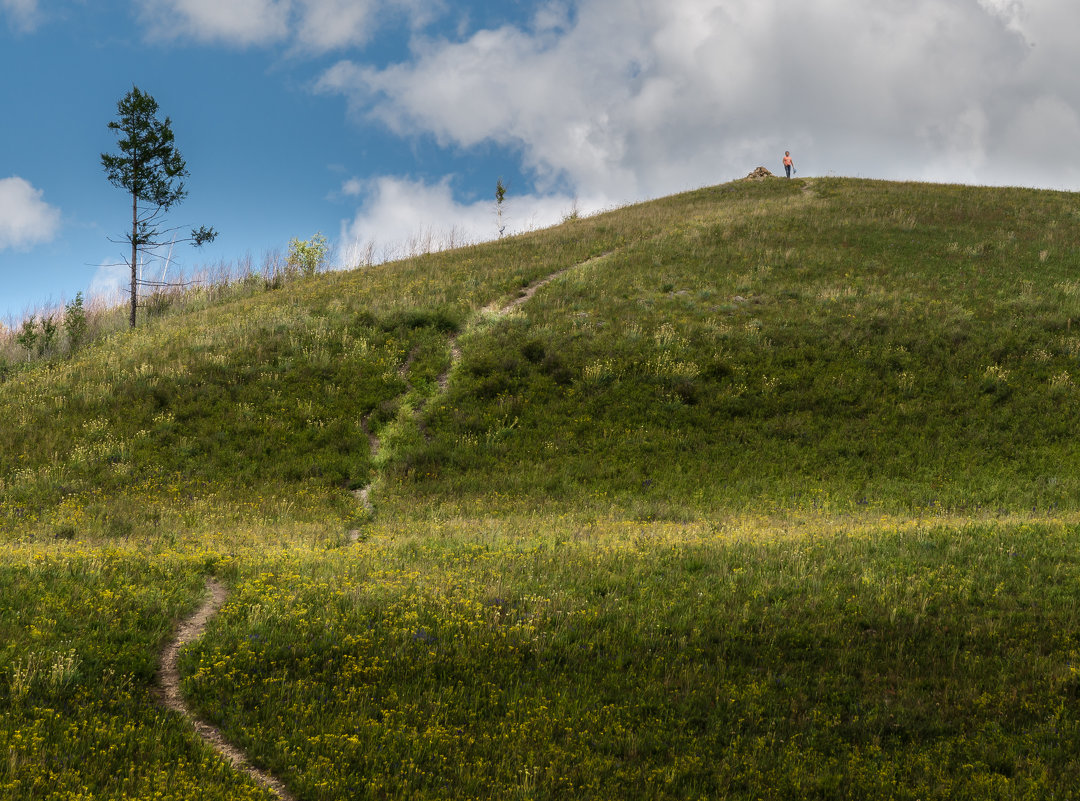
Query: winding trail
169	676
192	628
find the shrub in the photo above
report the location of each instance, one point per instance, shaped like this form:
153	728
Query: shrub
48	334
27	336
307	257
75	322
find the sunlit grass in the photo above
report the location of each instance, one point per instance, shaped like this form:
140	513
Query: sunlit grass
80	629
548	658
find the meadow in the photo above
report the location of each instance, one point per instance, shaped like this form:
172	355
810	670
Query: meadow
771	492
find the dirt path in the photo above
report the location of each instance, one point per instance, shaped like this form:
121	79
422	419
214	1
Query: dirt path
455	357
443	380
527	293
495	309
190	630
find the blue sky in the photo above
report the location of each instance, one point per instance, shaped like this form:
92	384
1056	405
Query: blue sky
378	121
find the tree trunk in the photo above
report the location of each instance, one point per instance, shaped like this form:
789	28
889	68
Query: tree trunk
134	255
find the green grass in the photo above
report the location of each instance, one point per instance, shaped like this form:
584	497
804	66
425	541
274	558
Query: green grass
771	494
80	631
658	663
885	346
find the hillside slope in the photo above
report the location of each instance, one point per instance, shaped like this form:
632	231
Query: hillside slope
763	491
840	344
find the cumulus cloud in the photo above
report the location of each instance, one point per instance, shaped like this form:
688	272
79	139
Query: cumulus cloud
24	15
238	22
25	219
323	25
635	98
400	217
311	25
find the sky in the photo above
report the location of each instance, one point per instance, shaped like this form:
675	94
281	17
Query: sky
384	123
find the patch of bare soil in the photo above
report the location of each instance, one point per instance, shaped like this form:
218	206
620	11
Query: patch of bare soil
455	357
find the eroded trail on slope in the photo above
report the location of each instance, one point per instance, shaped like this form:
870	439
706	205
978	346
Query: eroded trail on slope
193	627
531	289
189	631
524	295
496	309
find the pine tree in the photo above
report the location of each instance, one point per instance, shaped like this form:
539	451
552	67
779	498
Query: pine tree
151	170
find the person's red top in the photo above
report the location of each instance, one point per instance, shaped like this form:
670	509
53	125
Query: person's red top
787	161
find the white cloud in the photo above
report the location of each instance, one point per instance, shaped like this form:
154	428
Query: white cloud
635	98
25	219
400	217
309	25
238	22
331	24
1040	139
353	186
24	14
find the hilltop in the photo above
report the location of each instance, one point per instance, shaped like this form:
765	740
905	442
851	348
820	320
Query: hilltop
764	490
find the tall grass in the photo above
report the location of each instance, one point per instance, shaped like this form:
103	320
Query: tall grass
80	631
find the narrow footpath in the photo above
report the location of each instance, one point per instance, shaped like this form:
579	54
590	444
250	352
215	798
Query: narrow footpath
192	628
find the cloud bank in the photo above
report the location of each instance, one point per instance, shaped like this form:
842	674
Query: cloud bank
25	219
620	100
635	98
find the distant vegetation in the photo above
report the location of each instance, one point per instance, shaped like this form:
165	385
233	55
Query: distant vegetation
772	492
98	317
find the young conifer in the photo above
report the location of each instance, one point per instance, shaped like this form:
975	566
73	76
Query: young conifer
151	170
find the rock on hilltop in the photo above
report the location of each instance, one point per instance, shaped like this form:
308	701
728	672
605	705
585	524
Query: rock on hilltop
759	174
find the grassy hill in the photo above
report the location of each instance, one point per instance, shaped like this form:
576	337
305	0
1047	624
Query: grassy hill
770	490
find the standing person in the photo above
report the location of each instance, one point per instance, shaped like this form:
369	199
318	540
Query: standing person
788	163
